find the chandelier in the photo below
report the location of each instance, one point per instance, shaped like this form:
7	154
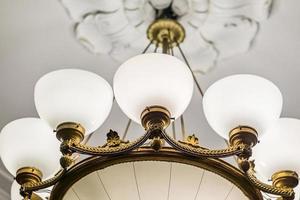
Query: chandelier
153	89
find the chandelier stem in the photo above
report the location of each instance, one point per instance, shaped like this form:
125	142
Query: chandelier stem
156	47
126	129
182	127
147	47
165	46
194	76
174	130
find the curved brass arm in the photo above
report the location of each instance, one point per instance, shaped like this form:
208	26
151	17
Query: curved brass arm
30	187
108	149
202	152
287	193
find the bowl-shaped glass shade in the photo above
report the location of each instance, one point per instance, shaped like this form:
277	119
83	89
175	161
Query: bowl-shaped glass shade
153	79
242	100
72	95
29	142
15	191
278	148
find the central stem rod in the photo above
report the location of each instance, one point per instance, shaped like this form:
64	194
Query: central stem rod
194	76
165	45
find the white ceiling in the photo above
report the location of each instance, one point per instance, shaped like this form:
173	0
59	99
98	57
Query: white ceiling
36	37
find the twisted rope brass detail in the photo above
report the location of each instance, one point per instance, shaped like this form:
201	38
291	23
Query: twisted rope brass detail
284	192
29	187
103	151
203	152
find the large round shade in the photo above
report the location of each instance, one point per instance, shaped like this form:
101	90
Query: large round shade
72	95
138	180
279	148
153	79
242	100
29	142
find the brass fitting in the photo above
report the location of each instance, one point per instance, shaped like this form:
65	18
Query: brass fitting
243	135
70	131
285	179
166	28
28	175
155	118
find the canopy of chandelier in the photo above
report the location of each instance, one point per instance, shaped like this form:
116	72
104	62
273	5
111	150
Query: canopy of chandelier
153	89
215	29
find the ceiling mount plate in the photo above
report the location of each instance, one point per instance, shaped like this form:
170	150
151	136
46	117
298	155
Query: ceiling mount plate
162	29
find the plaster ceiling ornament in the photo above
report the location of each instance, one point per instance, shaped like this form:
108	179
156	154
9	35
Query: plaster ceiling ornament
215	29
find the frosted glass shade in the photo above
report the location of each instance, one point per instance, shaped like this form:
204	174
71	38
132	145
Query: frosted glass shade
29	142
153	79
72	95
242	100
15	191
278	148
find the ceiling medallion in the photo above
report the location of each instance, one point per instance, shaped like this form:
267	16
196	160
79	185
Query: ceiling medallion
215	29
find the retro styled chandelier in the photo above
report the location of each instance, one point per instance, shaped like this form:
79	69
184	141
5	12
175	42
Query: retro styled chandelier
153	89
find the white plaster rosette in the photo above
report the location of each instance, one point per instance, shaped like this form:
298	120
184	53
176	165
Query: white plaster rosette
215	29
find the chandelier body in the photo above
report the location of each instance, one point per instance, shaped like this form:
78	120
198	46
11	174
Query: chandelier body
154	121
167	34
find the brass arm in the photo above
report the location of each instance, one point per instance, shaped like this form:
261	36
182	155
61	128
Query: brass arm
112	147
34	186
203	152
285	192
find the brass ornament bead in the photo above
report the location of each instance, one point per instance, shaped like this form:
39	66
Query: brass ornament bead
66	161
156	143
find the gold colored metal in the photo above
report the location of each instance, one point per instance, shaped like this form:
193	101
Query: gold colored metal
243	135
70	131
35	197
156	143
201	151
166	154
104	151
191	140
28	175
113	140
155	117
34	186
284	192
161	29
66	161
285	179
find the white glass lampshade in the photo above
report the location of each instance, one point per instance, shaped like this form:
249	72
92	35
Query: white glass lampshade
29	142
72	95
15	191
278	148
153	79
240	100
